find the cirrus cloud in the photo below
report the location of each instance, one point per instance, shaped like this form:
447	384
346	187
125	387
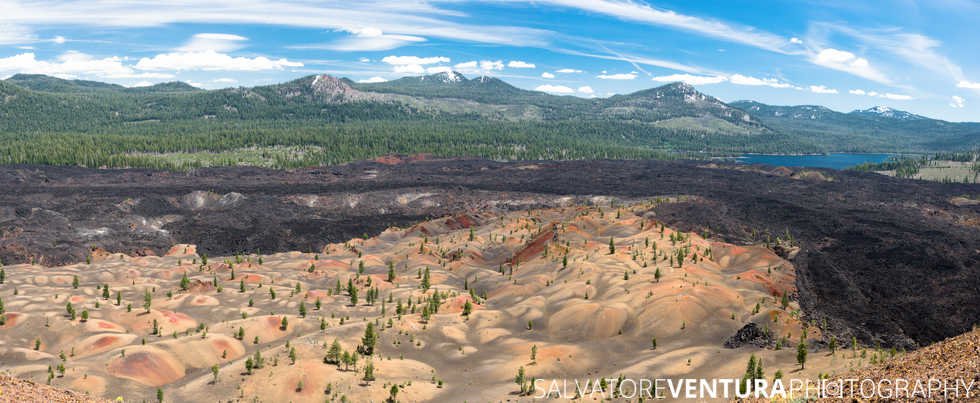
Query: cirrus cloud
739	79
406	60
642	13
213	41
367	39
618	76
690	79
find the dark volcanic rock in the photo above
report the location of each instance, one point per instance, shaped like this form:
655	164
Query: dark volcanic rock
750	334
880	258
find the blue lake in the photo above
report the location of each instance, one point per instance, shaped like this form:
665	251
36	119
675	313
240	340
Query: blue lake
835	161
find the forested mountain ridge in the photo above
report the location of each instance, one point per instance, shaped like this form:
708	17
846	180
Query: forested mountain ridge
868	129
320	119
40	82
323	97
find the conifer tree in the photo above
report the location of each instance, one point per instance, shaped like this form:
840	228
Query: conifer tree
801	354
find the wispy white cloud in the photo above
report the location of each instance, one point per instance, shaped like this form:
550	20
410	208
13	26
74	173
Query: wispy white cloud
491	65
848	62
618	76
957	102
912	48
406	60
214	41
739	79
367	39
585	89
414	69
637	12
517	64
416	65
970	85
568	71
74	65
438	69
479	66
555	89
646	61
820	89
374	79
210	60
394	17
886	95
547	75
11	34
690	79
897	97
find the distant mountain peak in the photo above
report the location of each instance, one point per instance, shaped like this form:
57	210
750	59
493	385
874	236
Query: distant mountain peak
680	99
681	87
330	86
888	112
171	86
445	77
452	77
686	92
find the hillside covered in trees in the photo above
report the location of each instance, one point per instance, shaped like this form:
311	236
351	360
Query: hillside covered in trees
325	120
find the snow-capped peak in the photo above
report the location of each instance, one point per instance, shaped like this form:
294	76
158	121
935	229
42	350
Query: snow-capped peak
451	77
887	112
445	77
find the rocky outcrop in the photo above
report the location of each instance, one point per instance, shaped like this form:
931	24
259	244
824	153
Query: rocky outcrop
750	334
22	390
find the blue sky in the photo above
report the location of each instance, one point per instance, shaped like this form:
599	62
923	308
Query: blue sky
920	56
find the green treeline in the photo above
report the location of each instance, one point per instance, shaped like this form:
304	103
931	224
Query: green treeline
187	144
